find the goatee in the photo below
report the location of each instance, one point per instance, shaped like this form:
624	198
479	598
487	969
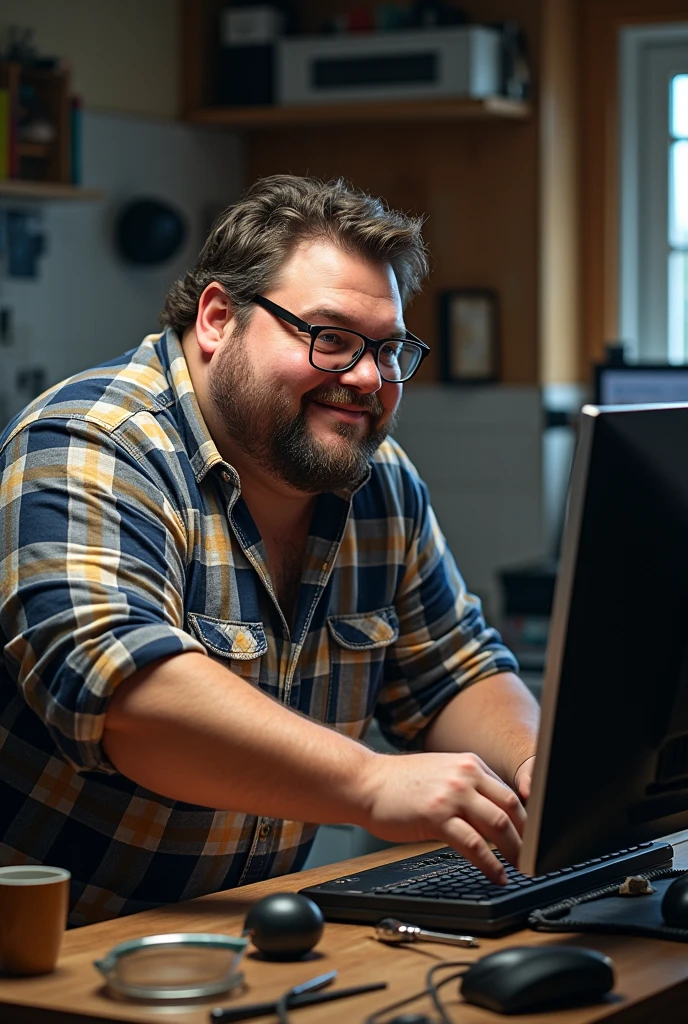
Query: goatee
258	418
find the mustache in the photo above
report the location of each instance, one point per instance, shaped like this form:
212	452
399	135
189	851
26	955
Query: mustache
344	396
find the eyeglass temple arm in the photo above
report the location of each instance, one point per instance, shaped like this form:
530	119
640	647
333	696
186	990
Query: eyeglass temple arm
283	314
412	337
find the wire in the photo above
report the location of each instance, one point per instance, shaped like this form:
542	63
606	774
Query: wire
431	989
281	1006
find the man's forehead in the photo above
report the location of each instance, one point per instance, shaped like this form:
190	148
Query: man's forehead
329	284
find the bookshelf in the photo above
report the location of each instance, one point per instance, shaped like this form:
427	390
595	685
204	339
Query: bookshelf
36	152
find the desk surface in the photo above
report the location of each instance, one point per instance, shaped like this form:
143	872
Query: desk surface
652	975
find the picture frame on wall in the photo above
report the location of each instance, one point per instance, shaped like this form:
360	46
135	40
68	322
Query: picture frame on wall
469	336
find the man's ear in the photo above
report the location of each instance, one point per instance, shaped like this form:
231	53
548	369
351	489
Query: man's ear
215	313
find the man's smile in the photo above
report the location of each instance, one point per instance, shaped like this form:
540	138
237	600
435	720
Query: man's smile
347	413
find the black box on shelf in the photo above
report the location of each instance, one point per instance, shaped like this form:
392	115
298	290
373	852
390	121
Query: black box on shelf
246	59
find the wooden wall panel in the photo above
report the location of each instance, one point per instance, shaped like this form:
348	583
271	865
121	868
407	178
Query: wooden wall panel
476	183
559	279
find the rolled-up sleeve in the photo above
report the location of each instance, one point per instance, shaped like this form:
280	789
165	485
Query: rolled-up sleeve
444	642
92	584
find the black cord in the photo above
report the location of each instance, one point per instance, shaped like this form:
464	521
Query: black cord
281	1007
431	989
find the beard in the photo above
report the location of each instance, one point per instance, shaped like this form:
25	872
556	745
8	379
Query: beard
259	419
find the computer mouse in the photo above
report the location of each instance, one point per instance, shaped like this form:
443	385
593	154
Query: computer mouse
526	978
675	903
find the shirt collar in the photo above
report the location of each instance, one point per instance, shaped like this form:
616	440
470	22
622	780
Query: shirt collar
201	448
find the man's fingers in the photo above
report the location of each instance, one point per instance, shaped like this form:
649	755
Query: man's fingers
493	822
460	835
499	794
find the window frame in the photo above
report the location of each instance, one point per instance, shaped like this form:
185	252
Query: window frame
649	57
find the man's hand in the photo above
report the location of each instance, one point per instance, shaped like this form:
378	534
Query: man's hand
523	777
455	798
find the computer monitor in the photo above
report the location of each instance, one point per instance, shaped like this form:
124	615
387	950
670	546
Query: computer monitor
640	383
612	754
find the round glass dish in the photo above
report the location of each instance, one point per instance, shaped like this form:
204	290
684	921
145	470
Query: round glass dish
180	965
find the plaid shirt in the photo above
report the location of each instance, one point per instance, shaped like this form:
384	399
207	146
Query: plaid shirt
125	539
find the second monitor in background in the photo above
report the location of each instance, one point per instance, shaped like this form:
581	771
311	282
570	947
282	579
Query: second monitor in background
619	383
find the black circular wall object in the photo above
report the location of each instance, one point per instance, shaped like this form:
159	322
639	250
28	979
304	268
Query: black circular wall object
149	231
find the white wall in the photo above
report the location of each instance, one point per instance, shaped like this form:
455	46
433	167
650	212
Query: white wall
86	304
124	54
480	452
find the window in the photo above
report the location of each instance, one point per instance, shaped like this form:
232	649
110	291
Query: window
678	220
654	193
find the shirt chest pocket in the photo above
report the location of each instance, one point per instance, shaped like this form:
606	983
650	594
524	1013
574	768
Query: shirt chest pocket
358	647
243	644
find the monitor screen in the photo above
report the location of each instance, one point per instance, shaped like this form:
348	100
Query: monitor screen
612	755
640	384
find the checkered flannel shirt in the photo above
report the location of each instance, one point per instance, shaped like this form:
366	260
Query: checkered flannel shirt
125	539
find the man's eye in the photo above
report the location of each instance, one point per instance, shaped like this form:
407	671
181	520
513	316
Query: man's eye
389	354
330	340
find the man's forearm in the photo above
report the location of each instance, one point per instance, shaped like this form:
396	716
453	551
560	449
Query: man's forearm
191	730
496	718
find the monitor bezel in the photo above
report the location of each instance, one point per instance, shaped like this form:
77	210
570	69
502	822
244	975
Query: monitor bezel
563	590
532	854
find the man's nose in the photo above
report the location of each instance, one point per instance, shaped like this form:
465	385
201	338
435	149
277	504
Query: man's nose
364	375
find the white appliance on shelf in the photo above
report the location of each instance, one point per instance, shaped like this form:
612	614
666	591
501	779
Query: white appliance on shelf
405	64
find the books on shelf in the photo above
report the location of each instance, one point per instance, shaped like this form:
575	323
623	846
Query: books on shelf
5	134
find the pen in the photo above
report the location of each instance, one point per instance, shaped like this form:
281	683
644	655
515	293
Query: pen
307	999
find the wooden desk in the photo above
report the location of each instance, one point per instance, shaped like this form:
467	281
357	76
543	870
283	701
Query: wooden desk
652	975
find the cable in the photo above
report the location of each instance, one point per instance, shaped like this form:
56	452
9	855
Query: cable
433	989
281	1007
430	989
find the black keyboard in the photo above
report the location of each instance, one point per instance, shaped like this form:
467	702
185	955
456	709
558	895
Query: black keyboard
445	891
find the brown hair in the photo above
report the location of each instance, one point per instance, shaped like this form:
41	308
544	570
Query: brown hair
251	240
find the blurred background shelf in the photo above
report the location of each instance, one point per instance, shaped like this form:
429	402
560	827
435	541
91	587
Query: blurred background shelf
485	109
18	189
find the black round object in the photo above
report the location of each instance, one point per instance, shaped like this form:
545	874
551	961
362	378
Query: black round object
284	926
675	903
149	231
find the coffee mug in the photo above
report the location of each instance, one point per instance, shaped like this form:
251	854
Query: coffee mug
34	901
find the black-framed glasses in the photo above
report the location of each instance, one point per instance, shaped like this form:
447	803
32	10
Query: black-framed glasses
337	349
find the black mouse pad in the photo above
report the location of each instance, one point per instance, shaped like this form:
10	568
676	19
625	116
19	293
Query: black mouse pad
604	910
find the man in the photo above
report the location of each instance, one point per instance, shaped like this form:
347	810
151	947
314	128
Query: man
217	570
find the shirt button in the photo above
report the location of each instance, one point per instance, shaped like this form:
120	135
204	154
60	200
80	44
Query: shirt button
265	831
225	476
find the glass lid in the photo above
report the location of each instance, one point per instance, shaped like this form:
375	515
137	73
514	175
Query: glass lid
180	965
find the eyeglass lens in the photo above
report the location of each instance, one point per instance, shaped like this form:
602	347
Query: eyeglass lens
337	349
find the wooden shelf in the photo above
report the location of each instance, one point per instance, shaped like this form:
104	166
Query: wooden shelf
488	109
14	188
34	150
